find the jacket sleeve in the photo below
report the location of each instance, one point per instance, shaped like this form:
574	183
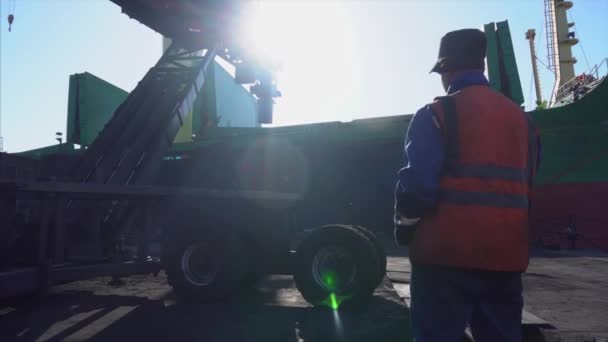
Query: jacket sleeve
417	189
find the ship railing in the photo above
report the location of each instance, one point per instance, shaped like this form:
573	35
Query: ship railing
589	80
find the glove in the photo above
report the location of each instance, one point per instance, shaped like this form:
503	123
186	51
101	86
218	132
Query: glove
405	228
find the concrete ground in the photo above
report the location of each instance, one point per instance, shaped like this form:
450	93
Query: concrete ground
565	293
145	310
570	290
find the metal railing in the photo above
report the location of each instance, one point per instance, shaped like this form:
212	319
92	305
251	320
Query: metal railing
589	80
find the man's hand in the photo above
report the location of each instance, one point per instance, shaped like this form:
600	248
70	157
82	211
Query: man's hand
404	229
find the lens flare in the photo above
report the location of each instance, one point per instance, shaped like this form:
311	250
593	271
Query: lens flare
330	281
334	301
307	39
338	325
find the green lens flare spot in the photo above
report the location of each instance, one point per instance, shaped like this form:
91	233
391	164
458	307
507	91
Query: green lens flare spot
330	281
334	301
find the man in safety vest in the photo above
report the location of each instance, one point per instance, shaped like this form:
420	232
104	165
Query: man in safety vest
462	202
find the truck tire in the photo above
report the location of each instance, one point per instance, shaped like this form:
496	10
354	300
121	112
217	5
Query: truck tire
379	250
336	264
203	264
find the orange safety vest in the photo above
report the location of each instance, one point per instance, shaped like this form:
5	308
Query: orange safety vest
481	220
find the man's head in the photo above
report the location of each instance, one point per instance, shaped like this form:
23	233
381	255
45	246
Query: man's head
460	51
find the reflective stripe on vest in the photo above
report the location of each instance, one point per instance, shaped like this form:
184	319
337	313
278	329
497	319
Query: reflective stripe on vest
491	199
489	171
456	169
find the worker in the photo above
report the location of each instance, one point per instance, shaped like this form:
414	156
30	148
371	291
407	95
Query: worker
462	202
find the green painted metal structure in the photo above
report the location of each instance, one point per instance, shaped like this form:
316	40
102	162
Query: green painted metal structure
513	86
502	66
575	140
492	58
229	104
91	103
575	137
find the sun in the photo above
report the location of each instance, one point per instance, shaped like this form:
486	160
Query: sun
285	30
313	43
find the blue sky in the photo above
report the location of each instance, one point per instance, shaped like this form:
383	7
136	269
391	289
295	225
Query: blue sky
340	61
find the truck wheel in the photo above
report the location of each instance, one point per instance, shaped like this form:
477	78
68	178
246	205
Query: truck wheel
202	264
336	264
379	250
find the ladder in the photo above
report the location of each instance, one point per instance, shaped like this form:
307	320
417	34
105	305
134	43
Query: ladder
551	35
552	46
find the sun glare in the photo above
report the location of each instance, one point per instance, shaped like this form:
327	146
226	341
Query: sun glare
313	44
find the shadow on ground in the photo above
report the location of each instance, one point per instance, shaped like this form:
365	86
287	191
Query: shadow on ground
273	311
